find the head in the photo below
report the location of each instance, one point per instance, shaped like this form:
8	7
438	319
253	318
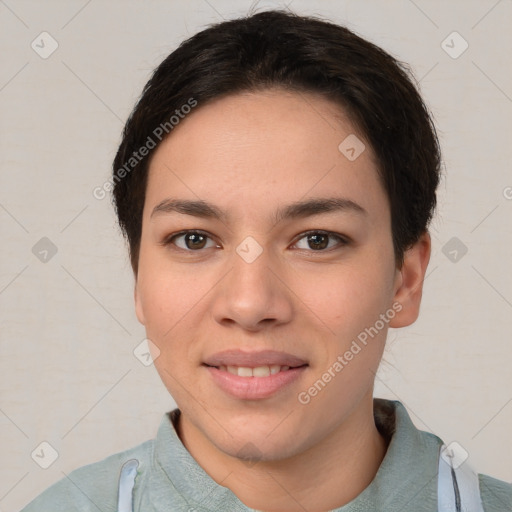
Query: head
279	178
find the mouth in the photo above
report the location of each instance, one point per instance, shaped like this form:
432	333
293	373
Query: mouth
254	375
258	371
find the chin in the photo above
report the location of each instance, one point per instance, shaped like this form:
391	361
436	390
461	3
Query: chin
252	450
258	438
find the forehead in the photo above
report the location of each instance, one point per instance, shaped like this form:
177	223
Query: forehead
265	148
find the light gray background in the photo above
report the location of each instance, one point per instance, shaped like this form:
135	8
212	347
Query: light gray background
68	330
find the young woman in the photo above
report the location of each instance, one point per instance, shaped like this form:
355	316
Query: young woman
275	183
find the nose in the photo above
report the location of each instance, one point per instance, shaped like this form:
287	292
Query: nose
253	295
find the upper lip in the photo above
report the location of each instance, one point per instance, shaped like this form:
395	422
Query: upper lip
254	359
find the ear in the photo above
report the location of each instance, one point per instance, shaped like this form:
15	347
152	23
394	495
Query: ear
409	282
139	310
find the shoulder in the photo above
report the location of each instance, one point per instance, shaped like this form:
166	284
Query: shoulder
92	487
496	494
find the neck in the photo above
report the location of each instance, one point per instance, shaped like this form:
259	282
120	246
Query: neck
327	476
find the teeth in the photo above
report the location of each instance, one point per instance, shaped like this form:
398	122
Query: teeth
259	371
243	371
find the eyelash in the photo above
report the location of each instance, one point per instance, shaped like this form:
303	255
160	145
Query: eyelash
342	240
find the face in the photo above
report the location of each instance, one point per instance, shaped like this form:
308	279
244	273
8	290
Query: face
266	259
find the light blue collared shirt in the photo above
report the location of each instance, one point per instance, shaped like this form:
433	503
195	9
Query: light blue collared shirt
168	479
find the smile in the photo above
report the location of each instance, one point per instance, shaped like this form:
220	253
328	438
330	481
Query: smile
258	371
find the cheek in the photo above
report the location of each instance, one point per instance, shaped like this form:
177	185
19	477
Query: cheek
167	300
348	298
348	309
170	302
168	294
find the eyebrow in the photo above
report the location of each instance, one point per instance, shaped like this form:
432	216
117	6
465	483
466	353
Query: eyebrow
299	209
188	207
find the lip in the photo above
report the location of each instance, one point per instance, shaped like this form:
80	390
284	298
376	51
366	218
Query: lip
254	388
254	359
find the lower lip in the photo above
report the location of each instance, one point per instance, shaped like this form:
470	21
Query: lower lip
254	388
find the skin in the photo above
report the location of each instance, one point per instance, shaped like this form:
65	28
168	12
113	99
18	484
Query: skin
250	154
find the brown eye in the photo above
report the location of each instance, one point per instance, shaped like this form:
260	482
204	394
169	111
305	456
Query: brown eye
195	241
191	241
320	240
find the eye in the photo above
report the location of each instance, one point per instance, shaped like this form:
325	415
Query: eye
191	241
319	241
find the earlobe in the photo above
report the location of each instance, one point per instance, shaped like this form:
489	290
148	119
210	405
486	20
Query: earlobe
410	282
139	310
